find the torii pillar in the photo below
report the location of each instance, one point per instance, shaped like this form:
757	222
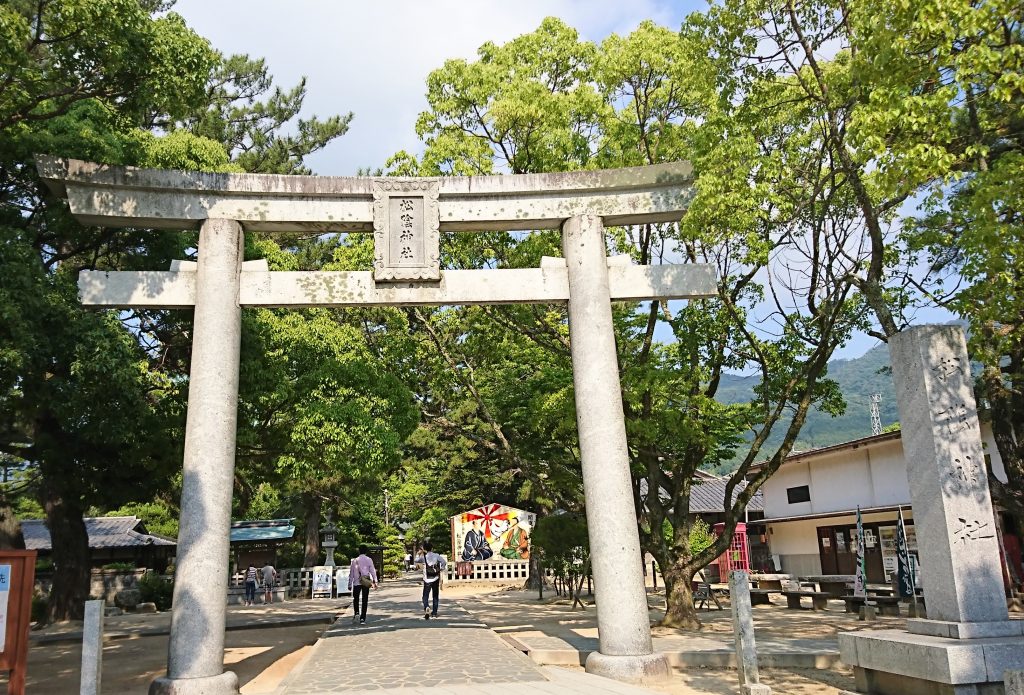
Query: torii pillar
406	216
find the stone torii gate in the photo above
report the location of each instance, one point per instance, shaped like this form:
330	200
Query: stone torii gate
406	217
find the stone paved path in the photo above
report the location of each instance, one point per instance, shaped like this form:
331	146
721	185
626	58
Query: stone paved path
397	648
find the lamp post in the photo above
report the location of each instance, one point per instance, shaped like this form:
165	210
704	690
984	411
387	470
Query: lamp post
330	542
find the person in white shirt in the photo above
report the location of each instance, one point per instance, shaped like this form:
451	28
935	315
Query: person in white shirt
433	566
250	584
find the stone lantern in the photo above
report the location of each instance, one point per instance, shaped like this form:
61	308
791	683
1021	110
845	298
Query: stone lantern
330	540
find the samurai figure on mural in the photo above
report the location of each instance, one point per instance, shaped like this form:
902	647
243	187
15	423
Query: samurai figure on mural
476	546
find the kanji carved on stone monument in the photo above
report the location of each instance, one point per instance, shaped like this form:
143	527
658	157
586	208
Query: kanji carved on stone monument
406	226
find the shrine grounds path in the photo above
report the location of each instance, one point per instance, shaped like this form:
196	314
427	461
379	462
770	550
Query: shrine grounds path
398	651
476	646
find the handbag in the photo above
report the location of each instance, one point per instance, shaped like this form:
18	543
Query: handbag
365	581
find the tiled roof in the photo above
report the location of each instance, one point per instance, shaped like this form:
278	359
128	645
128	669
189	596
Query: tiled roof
707	496
262	530
104	532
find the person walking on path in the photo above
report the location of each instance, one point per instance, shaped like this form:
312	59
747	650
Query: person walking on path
269	580
250	584
433	566
362	576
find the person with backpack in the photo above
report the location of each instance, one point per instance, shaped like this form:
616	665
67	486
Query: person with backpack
362	576
433	566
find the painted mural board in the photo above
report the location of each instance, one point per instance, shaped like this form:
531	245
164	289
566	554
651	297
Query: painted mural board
492	533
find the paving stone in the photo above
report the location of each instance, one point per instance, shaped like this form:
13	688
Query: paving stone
451	650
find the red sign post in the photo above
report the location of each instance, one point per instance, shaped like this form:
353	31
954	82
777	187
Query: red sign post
17	578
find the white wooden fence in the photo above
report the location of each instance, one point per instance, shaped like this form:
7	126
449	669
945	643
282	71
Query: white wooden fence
490	571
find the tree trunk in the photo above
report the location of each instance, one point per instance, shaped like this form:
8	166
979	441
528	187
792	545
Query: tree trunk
536	573
10	528
679	608
312	505
72	560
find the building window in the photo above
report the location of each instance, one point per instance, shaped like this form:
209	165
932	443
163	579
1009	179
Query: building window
801	493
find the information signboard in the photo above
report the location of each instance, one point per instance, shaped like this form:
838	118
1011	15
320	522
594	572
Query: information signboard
341	581
322	581
17	577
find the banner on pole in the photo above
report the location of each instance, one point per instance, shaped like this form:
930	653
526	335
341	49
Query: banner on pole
860	580
904	572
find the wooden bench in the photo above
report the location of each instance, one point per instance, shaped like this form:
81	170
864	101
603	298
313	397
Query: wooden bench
762	597
819	599
887	605
704	596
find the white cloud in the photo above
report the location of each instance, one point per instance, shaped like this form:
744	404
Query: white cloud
373	58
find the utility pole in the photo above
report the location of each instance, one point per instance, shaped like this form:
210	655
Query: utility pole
876	418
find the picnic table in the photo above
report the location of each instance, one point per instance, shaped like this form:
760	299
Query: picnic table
887	605
769	581
762	597
835	585
819	599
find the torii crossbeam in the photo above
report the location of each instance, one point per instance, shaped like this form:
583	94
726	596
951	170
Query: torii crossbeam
406	217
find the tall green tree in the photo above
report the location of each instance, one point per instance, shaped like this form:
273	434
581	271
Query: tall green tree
946	84
80	407
634	100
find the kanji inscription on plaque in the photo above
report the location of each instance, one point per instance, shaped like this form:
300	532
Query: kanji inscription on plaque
405	230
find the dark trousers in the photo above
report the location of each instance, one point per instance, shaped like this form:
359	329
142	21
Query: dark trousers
357	591
428	589
250	592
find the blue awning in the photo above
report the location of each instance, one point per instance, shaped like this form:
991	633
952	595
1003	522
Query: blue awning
262	530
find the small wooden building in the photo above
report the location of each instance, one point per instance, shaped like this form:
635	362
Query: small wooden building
257	541
111	539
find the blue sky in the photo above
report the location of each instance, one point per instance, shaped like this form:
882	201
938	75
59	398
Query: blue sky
373	58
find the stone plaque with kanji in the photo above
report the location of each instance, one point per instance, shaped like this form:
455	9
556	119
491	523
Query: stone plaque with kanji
405	230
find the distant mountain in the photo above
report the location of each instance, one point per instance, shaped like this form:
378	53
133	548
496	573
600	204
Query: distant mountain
858	378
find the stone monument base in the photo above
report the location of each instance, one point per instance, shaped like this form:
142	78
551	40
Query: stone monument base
896	662
224	684
955	630
646	668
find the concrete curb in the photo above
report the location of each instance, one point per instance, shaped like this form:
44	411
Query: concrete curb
822	660
297	621
298	668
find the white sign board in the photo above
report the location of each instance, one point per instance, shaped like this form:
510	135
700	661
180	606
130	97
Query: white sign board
341	581
322	581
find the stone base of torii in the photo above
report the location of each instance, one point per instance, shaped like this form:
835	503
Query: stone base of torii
406	217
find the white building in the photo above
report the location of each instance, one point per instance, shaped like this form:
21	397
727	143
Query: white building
810	506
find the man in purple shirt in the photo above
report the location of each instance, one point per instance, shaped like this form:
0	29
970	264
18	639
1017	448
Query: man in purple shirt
361	577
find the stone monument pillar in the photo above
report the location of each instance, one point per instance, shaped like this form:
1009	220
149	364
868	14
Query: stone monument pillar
195	659
743	635
967	642
625	649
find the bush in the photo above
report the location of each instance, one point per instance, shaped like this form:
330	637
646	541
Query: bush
39	605
120	566
394	554
156	589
